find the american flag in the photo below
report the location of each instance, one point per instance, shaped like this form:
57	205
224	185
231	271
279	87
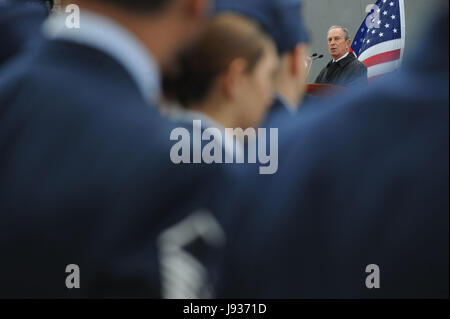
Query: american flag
380	41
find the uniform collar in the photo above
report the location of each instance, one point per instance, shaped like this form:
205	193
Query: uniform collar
109	37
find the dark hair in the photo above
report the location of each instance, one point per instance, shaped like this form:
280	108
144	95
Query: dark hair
228	37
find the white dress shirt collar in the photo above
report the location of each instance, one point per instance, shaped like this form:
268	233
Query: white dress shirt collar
341	58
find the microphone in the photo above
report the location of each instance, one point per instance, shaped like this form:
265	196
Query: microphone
311	59
318	57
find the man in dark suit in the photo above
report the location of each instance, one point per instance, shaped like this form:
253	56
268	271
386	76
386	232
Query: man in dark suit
20	22
345	69
90	200
360	204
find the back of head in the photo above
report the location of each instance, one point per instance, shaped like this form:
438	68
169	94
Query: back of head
164	27
228	37
280	18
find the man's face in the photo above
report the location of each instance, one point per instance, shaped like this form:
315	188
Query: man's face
337	45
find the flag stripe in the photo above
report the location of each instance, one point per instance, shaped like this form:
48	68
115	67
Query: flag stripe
381	47
383	68
382	58
380	40
376	78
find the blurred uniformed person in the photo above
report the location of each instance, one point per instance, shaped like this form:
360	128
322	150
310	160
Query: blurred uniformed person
225	80
282	20
20	23
359	207
87	188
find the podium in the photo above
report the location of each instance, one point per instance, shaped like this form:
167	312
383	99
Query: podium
323	90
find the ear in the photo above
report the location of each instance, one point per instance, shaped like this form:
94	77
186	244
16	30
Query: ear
293	61
297	59
231	79
349	44
198	8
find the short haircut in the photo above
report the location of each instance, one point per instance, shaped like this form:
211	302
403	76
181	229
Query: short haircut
228	37
347	33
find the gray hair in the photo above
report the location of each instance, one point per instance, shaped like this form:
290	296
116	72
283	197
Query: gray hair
347	33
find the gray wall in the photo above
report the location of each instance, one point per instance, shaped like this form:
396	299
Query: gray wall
319	15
